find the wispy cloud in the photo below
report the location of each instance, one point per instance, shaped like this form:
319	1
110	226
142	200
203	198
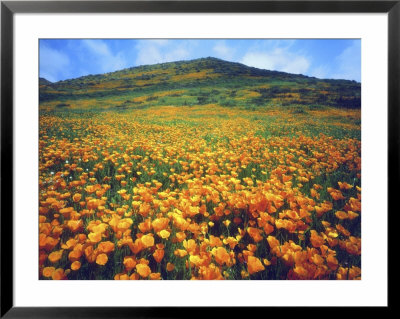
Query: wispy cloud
53	64
160	42
158	51
98	47
277	59
223	51
320	72
349	63
103	56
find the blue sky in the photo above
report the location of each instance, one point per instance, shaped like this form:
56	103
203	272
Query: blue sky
62	59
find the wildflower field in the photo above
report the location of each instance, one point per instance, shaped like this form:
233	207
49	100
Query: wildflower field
200	192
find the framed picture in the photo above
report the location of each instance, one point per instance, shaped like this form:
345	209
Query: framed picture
186	141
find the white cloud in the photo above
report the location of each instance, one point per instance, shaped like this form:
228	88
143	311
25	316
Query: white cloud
349	63
161	42
272	44
176	55
223	51
278	59
156	51
148	55
321	72
53	64
105	60
97	47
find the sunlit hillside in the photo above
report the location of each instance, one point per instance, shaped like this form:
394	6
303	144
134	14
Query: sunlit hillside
202	81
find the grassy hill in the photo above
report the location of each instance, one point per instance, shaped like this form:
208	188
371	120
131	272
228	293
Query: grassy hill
43	81
198	82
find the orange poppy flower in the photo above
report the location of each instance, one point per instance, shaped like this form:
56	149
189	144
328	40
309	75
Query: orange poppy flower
137	246
254	265
180	252
58	274
66	211
232	242
69	244
221	255
164	234
101	259
129	263
124	224
75	225
180	236
105	247
123	277
342	230
47	271
134	276
317	259
75	265
336	194
145	226
159	224
215	241
316	240
143	270
332	262
147	240
226	222
272	241
94	237
55	256
352	214
345	185
341	215
300	271
170	267
77	197
266	262
314	193
155	276
158	255
74	255
190	246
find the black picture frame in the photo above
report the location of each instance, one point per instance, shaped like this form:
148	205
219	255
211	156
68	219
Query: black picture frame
9	8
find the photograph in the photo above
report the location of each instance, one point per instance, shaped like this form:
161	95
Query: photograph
199	159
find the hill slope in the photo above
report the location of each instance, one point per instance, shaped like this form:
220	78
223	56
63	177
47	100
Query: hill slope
200	81
43	81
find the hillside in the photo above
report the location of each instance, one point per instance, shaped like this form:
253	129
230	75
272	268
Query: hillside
43	81
197	82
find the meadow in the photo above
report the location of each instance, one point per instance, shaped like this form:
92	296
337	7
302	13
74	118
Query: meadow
199	191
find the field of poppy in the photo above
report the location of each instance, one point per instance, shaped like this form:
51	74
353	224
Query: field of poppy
200	192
